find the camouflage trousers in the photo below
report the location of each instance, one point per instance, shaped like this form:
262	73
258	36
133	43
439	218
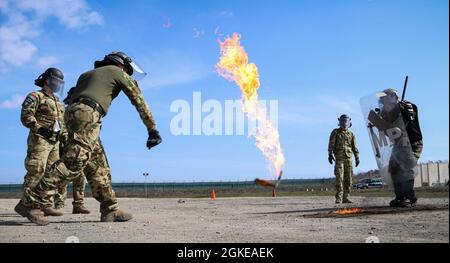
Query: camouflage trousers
83	154
78	186
41	154
343	171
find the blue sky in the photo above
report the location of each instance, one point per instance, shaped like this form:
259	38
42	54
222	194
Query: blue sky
317	58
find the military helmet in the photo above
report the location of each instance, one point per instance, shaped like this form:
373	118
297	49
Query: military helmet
122	59
392	93
344	116
115	58
49	73
130	66
345	121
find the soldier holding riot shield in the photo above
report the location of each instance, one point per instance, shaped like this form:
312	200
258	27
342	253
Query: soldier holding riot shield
397	141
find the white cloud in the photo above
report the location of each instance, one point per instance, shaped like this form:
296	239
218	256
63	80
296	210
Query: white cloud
23	21
71	13
48	61
15	46
14	102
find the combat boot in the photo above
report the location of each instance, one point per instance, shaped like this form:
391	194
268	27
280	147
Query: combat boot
115	216
34	215
346	201
413	201
50	211
80	209
398	203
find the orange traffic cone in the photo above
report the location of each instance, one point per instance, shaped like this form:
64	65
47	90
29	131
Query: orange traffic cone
213	195
274	193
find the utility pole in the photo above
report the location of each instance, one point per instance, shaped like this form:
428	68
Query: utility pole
145	183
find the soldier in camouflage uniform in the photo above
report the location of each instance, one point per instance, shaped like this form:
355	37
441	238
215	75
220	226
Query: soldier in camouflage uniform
43	113
78	185
83	152
341	147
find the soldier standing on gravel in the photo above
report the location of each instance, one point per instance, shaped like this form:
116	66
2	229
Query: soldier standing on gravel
43	113
404	155
341	147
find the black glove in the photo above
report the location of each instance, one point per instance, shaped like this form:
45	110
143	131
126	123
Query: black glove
44	132
153	139
356	161
69	93
330	158
408	110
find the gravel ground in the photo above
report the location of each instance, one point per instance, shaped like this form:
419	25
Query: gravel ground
250	219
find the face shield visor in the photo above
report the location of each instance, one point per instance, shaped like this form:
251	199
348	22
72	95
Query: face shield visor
345	123
387	102
56	85
388	105
138	72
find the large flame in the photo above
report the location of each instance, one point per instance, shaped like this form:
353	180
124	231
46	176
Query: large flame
234	66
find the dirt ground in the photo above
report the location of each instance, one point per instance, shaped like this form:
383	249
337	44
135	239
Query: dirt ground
249	219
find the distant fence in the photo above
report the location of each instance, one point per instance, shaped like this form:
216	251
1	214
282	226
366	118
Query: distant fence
429	175
432	174
190	188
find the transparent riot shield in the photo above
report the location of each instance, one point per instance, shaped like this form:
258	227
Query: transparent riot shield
389	139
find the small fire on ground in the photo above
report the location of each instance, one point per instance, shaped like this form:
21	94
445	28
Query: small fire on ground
347	211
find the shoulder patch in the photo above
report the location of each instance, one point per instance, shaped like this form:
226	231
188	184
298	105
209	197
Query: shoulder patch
28	101
31	98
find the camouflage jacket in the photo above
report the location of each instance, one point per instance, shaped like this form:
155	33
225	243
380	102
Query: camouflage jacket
40	109
104	84
342	144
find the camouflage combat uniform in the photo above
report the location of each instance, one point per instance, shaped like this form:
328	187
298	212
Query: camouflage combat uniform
83	152
43	109
78	187
343	145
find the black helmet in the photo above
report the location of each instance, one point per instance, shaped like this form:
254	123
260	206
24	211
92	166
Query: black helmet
392	93
49	73
115	58
344	116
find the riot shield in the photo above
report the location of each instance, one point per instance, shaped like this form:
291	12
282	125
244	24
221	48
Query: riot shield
389	139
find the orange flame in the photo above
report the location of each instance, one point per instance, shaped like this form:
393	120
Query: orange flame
347	211
234	66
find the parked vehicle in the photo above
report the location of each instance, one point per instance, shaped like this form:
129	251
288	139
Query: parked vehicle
369	183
